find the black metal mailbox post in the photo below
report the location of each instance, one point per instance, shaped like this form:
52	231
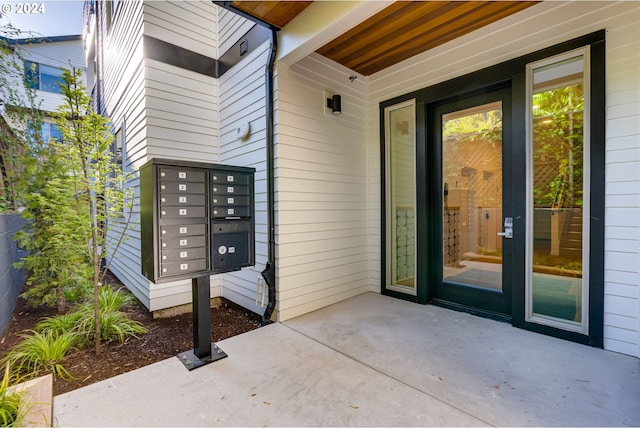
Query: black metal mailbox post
197	219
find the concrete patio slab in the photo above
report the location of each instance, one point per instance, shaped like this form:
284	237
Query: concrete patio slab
273	377
373	361
500	374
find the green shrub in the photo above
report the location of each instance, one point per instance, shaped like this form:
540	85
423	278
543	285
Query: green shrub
41	351
60	324
114	300
117	325
11	407
114	323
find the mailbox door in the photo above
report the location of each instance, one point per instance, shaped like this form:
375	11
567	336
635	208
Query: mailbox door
182	217
232	222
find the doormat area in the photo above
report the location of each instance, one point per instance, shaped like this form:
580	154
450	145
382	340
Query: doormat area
553	296
556	296
479	278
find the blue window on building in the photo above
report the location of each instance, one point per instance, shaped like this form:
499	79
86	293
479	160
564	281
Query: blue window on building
49	131
43	77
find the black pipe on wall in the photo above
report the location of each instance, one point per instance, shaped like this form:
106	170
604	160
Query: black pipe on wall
269	272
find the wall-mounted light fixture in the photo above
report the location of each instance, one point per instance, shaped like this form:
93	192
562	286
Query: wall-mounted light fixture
335	104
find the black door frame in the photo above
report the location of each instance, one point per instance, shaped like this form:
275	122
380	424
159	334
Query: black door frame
489	303
511	73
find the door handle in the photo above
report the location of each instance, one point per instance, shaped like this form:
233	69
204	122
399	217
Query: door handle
508	228
508	233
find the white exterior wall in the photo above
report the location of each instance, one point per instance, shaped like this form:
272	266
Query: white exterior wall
124	97
181	105
60	54
536	28
167	111
55	54
231	27
328	168
243	100
321	187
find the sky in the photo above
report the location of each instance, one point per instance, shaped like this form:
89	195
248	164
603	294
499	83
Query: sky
47	18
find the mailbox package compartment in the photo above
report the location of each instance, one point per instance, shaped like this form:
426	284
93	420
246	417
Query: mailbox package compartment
196	219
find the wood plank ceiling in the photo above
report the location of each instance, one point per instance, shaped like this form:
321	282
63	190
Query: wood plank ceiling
398	32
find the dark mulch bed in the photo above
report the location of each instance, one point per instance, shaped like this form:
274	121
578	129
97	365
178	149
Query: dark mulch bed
166	338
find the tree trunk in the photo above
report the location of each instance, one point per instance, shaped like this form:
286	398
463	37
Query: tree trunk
96	281
96	312
62	303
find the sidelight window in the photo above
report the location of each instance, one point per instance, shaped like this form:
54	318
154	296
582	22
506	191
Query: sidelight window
558	191
401	193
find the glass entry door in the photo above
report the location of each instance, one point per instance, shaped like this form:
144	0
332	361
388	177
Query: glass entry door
492	194
470	135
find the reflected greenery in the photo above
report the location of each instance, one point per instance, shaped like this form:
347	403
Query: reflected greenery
558	124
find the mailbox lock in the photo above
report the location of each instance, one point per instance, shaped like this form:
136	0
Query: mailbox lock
222	249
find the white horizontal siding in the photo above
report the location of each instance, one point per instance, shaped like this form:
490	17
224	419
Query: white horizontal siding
188	24
231	27
168	112
180	108
243	100
124	99
321	188
122	60
622	257
55	54
536	28
181	113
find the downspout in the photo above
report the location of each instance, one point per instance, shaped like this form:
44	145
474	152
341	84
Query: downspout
269	272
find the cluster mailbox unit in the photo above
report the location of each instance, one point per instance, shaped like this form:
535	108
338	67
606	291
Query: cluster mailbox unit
197	219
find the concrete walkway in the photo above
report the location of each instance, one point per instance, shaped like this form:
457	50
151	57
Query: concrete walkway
374	361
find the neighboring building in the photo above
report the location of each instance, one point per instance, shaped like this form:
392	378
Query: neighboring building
459	121
42	60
